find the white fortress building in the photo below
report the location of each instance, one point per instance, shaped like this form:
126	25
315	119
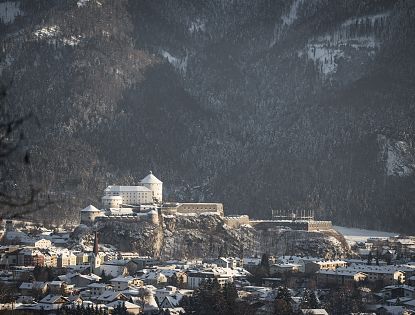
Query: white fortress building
150	191
144	202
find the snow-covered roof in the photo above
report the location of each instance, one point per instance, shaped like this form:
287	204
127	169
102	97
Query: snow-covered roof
126	188
90	277
394	310
251	261
399	300
379	269
173	300
151	179
112	270
287	265
340	272
52	299
97	285
125	304
109	296
410	303
399	286
26	286
90	208
123	279
315	311
117	262
56	283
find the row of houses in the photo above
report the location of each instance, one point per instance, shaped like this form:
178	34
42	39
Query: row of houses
44	257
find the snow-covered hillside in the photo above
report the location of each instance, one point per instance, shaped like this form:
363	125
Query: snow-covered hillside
353	235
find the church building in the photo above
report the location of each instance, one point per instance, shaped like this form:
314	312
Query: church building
95	262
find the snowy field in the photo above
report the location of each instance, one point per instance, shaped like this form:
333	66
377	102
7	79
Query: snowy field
360	235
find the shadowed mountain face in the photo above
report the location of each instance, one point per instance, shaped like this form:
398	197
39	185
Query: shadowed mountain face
258	104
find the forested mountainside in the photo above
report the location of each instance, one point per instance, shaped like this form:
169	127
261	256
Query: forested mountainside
289	104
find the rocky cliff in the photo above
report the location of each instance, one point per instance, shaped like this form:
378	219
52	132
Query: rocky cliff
190	236
258	104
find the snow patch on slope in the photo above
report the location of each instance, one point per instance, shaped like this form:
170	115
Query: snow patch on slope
398	156
371	18
53	35
9	10
197	26
5	63
324	56
397	159
178	63
82	3
354	36
289	18
47	32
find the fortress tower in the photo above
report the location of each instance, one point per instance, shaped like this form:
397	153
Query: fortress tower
155	185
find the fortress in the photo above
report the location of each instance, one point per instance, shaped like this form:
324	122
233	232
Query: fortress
144	202
151	191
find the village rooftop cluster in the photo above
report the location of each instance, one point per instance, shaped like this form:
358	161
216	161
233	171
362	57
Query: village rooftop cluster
47	276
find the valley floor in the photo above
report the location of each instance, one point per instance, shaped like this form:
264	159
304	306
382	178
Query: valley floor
361	235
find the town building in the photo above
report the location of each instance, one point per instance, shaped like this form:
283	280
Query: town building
387	274
194	279
30	257
342	277
98	288
66	259
121	283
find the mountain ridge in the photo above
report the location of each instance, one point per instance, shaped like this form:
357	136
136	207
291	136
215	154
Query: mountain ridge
244	103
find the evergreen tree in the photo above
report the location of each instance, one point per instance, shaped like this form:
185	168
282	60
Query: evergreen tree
284	294
257	274
187	303
208	299
104	277
369	258
265	261
143	295
36	272
309	300
398	301
281	307
344	301
314	303
230	294
120	309
282	303
174	280
217	297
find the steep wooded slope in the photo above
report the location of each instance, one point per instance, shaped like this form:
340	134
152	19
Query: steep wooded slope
264	104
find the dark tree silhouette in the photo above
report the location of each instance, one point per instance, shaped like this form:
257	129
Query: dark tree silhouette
15	201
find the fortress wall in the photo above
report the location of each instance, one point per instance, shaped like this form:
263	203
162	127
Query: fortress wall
236	221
